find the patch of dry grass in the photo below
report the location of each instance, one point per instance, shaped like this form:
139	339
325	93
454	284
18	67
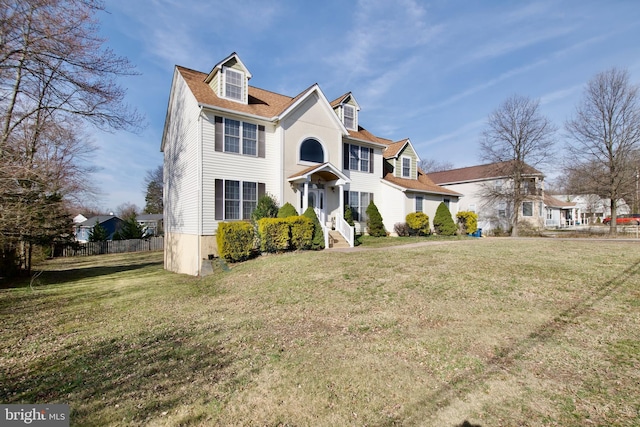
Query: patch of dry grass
492	331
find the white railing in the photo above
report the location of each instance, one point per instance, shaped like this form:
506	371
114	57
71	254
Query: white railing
347	231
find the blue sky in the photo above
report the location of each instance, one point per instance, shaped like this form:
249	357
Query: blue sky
431	71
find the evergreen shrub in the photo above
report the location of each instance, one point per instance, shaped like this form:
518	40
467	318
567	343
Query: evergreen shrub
468	221
418	223
287	210
235	240
274	234
375	226
267	207
318	236
301	232
443	222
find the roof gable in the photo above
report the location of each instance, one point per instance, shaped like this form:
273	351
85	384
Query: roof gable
231	61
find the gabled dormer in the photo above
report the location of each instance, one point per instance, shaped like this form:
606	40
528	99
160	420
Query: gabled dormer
229	79
402	159
347	108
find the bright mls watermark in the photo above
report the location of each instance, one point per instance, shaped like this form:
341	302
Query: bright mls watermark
55	415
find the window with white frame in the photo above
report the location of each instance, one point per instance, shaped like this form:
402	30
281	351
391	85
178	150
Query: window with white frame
359	158
359	202
502	210
349	116
527	208
233	84
419	200
406	167
240	137
240	199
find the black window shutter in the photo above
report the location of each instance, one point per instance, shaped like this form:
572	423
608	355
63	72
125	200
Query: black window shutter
219	213
345	156
219	144
261	189
261	138
370	160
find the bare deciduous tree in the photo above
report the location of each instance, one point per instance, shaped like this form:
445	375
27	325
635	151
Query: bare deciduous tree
605	133
432	165
518	137
54	76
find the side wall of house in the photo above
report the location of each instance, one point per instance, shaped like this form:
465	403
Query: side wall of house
181	177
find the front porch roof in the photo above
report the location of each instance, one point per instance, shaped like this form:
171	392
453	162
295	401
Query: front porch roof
327	171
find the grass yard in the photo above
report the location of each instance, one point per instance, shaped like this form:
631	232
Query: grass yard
482	332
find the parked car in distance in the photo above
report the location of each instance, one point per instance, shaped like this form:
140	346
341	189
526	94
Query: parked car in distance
626	219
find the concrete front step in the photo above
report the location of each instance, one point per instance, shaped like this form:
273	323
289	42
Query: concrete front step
336	240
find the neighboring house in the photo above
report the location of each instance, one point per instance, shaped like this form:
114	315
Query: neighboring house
111	223
79	218
478	182
226	143
559	213
592	208
152	223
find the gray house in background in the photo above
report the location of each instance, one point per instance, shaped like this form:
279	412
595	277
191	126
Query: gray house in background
152	223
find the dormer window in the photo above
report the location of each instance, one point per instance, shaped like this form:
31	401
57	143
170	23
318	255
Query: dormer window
349	116
233	84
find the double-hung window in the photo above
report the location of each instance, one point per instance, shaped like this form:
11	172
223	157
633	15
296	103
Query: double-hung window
240	137
358	202
240	199
419	203
527	208
359	158
233	84
406	167
349	114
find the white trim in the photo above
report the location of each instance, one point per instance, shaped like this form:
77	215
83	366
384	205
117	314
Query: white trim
402	159
223	86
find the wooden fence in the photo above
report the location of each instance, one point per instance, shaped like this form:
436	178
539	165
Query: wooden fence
110	247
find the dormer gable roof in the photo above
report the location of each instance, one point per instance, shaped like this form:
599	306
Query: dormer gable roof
304	95
230	60
347	98
394	149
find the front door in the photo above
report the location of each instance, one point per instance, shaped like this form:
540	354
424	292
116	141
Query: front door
316	201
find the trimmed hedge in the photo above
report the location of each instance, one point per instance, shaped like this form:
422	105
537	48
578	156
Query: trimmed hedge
274	234
468	221
235	240
301	232
418	223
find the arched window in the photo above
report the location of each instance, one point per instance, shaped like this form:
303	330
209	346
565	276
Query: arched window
311	151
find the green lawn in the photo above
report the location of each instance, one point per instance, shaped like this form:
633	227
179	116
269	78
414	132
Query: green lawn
496	332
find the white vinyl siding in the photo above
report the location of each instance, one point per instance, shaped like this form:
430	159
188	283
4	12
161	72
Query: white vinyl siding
181	154
220	165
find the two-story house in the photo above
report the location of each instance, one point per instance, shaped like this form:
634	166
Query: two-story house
227	143
488	192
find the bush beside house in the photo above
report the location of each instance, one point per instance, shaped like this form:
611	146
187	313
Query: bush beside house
443	222
418	224
467	221
375	226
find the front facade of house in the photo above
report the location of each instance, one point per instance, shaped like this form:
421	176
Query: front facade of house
226	143
482	186
559	213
